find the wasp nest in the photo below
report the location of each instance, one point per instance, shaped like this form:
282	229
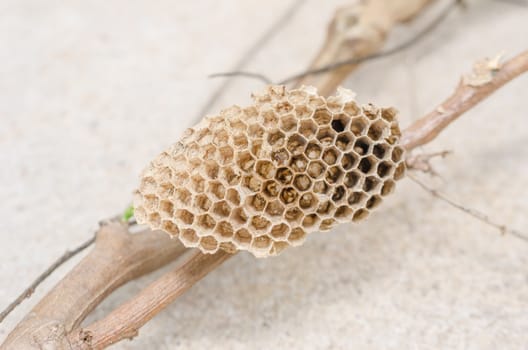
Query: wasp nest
260	178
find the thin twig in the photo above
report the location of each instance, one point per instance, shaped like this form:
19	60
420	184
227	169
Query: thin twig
504	229
54	266
389	52
250	53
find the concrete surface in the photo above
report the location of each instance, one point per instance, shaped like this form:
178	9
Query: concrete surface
91	91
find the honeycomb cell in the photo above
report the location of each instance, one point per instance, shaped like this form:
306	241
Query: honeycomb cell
313	151
295	144
302	182
261	178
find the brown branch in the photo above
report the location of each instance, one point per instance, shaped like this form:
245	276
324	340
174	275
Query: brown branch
54	266
117	258
125	321
466	96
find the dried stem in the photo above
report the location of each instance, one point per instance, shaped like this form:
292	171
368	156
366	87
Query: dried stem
465	97
125	321
117	258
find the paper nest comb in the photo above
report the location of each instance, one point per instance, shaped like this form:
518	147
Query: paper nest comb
261	178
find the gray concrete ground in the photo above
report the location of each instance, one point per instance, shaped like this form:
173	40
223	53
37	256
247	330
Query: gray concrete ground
91	91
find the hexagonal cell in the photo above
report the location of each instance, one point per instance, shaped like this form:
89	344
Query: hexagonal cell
222	209
373	202
303	112
334	104
140	214
237	124
262	243
298	96
184	216
148	185
269	118
293	215
288	195
283	107
344	141
343	213
170	227
239	216
278	247
288	123
360	214
189	237
366	165
245	161
371	184
280	231
240	141
362	146
310	221
202	202
242	237
255	131
316	169
297	237
228	247
320	187
388	187
275	208
284	176
259	223
378	130
389	114
225	230
211	169
296	144
229	175
299	163
351	108
307	201
206	222
349	160
357	198
182	196
251	113
340	122
209	244
326	137
333	174
370	111
330	156
165	190
271	188
322	117
351	179
151	202
197	183
302	182
397	153
216	188
327	224
313	151
316	101
256	148
280	157
359	125
155	220
166	208
220	138
276	138
257	202
384	169
400	171
380	150
307	128
265	168
326	208
339	194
